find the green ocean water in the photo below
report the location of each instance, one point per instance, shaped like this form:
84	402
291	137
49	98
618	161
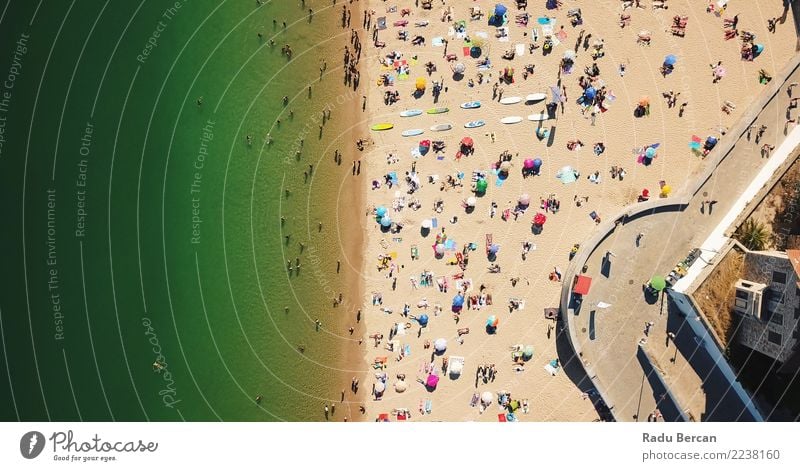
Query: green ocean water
139	226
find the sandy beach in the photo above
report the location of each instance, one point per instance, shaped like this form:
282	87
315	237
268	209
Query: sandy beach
645	58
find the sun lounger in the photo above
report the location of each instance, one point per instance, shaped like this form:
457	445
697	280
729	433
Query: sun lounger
414	252
501	418
488	243
428	406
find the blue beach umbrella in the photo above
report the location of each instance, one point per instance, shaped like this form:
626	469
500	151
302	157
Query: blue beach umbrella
458	300
650	153
670	60
381	211
423	320
537	162
386	221
590	93
500	10
494	248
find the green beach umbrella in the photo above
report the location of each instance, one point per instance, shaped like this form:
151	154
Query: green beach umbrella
480	186
658	283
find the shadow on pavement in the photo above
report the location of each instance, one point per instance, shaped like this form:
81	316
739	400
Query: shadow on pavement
722	403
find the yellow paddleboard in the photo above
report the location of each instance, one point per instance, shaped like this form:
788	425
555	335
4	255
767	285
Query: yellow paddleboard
382	126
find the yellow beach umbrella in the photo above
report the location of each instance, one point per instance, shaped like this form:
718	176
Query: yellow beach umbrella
666	190
421	83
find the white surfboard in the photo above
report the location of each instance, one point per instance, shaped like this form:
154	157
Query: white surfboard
536	97
511	119
538	117
408	113
412	132
475	124
441	127
471	105
510	100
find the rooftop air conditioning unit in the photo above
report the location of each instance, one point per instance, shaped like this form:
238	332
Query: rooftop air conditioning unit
748	298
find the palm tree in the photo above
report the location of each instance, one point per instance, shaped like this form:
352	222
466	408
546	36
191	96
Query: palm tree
753	235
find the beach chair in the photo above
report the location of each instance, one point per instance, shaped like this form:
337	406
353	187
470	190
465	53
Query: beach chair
383	418
474	401
428	406
488	243
501	418
414	252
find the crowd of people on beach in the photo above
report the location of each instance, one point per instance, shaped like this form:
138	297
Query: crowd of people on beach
583	72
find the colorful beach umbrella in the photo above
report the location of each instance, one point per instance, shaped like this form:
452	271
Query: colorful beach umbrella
590	93
658	283
458	300
539	219
492	321
381	211
494	248
666	190
455	367
386	221
481	186
421	83
528	164
537	162
423	320
566	175
467	141
487	398
650	153
432	381
670	60
528	352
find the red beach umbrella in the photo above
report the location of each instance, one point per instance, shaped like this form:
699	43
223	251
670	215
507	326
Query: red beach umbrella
539	219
